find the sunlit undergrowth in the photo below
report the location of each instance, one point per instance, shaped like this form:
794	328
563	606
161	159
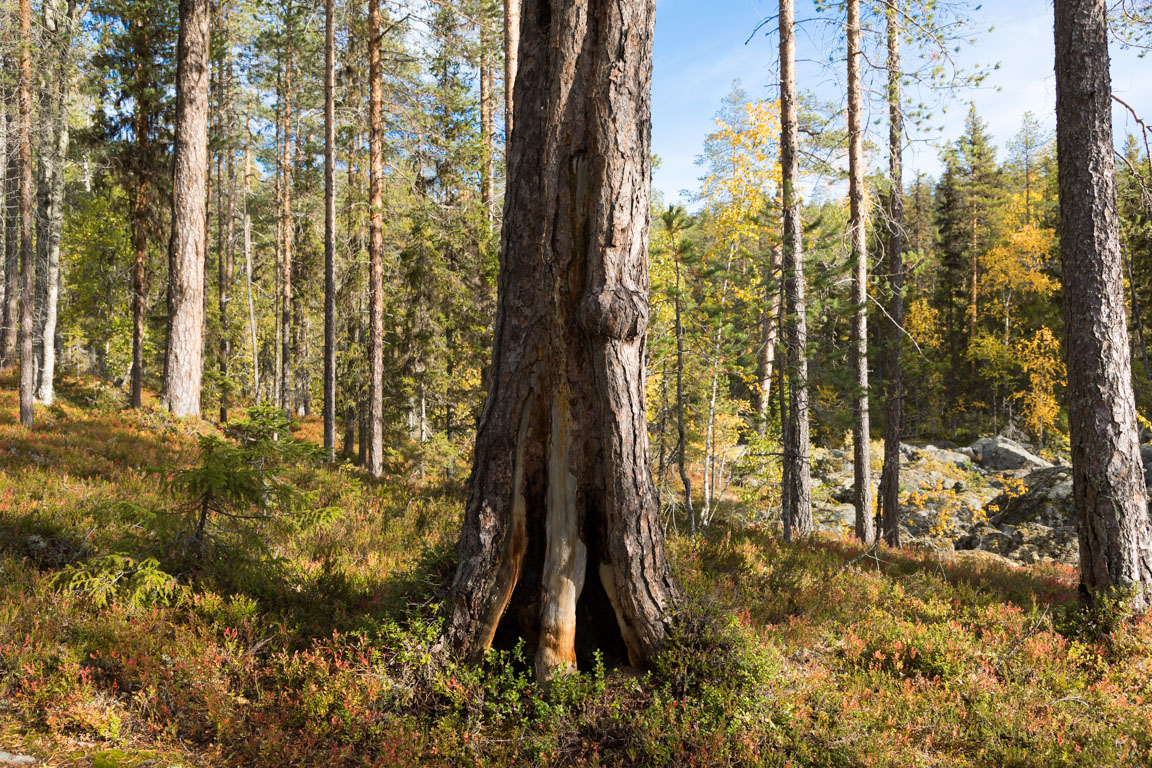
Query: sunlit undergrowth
317	649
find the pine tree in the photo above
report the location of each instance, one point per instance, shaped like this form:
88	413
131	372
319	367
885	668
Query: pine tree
1107	476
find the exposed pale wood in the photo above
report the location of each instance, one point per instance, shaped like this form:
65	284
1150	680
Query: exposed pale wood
563	434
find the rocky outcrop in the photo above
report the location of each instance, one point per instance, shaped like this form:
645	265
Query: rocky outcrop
1032	521
998	454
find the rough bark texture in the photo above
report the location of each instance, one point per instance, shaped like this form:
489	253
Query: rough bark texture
861	458
330	228
562	542
894	379
27	263
189	192
1107	477
511	60
798	470
375	413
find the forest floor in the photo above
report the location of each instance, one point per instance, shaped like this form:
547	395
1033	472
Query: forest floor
119	649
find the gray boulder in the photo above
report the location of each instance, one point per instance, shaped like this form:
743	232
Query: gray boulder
1030	523
1000	453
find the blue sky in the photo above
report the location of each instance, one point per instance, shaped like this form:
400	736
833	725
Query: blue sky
700	50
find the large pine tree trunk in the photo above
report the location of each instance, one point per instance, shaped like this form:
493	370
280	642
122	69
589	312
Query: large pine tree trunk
894	379
27	263
189	192
330	228
375	413
562	542
798	485
1107	476
861	453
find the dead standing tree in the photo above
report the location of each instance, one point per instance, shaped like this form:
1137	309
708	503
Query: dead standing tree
562	543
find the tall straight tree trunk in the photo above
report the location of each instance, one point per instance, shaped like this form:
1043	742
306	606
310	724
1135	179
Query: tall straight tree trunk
861	458
769	330
274	392
375	246
894	396
511	61
227	232
330	229
681	436
1107	476
562	542
58	25
189	194
248	272
10	192
487	122
141	173
5	269
798	488
287	229
27	264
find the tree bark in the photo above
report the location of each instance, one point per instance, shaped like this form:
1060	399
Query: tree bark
141	174
375	246
8	270
769	330
59	22
894	396
511	61
189	192
861	453
247	216
330	229
562	542
287	229
487	123
1107	476
10	192
27	264
227	229
681	436
798	488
